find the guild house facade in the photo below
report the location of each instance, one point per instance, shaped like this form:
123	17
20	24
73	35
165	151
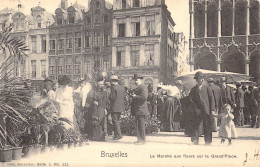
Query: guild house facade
143	41
32	29
225	36
80	39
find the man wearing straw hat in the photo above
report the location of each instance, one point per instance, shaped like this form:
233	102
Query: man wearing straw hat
117	105
202	97
139	108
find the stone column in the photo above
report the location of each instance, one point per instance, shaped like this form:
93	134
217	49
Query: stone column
233	19
219	65
247	66
142	55
219	35
191	34
247	38
206	22
114	56
127	56
114	27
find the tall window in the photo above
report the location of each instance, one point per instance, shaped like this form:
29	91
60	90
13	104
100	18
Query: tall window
88	19
69	69
59	20
240	17
88	67
120	56
34	44
121	30
105	18
135	26
43	68
135	55
52	44
149	53
77	40
87	39
106	63
33	64
136	3
60	65
39	21
199	21
69	40
43	43
150	25
97	64
106	38
52	65
71	18
77	65
123	4
96	39
226	18
61	44
254	18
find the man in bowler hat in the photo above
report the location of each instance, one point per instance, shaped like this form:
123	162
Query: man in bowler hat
202	97
117	105
139	107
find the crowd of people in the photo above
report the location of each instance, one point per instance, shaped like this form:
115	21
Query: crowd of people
211	106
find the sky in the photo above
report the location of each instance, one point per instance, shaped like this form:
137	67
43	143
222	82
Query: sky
179	9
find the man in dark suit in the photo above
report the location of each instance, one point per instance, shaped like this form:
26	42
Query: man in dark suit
240	104
202	97
227	95
216	95
117	105
139	107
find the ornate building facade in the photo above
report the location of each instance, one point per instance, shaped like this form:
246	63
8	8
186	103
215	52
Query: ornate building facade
97	31
65	42
225	35
142	41
80	39
32	29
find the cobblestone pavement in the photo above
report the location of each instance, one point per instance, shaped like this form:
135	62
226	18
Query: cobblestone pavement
161	149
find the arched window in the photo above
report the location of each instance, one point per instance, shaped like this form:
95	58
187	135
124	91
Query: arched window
226	18
212	20
39	21
72	18
254	17
199	21
240	17
59	19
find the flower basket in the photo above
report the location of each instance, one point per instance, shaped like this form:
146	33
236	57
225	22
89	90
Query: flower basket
27	151
17	153
37	149
45	149
65	145
53	147
76	144
70	145
60	146
6	154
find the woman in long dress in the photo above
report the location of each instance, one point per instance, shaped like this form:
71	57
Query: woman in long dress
64	97
97	100
171	114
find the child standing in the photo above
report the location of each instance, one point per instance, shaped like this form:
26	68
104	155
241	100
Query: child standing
227	127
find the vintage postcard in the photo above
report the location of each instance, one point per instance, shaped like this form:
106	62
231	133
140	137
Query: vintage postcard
114	83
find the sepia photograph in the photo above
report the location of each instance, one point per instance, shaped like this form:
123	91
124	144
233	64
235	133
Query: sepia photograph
129	83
